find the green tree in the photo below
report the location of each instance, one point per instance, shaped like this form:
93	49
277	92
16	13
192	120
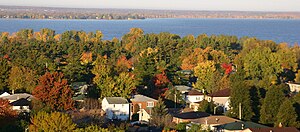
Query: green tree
271	104
287	115
53	122
124	85
159	113
205	106
92	128
4	73
175	96
240	95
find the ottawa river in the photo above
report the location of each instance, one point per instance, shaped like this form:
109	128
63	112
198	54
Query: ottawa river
278	30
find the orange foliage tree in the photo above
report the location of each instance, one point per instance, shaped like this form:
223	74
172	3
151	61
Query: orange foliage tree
7	114
53	91
161	82
123	64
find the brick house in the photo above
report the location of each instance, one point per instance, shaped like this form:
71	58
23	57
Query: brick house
142	105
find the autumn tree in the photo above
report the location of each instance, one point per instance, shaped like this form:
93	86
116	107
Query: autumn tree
123	64
124	85
271	104
205	72
55	122
21	78
53	91
7	114
287	115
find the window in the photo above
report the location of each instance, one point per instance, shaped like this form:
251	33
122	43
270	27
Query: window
150	104
198	98
114	106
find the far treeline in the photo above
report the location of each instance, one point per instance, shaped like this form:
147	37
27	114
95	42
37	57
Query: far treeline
255	70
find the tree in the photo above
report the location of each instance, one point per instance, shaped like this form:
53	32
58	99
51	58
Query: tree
204	72
92	128
55	122
159	112
205	106
124	85
263	65
53	91
297	78
287	115
271	104
240	95
4	73
103	76
7	114
21	78
175	96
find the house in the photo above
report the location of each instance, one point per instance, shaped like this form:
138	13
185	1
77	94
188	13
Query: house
21	105
4	94
220	98
183	89
188	116
20	101
237	126
116	108
192	99
142	105
294	88
274	129
15	97
208	123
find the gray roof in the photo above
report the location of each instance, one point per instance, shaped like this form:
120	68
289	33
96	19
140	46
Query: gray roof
116	100
142	98
183	88
18	96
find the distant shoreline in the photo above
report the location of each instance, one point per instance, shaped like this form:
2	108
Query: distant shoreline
25	12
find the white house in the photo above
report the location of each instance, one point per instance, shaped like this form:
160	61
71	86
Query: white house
116	108
192	99
20	101
294	87
220	98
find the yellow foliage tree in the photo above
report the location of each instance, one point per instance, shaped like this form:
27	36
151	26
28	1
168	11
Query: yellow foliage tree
53	122
204	72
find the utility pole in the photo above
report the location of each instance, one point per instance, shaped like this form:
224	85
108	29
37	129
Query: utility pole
240	111
175	99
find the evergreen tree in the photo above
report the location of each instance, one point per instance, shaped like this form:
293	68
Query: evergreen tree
159	112
240	94
287	115
270	107
4	73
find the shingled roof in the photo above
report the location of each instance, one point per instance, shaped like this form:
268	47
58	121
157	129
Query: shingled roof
221	93
142	98
191	115
116	100
195	92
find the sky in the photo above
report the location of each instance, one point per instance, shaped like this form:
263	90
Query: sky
223	5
